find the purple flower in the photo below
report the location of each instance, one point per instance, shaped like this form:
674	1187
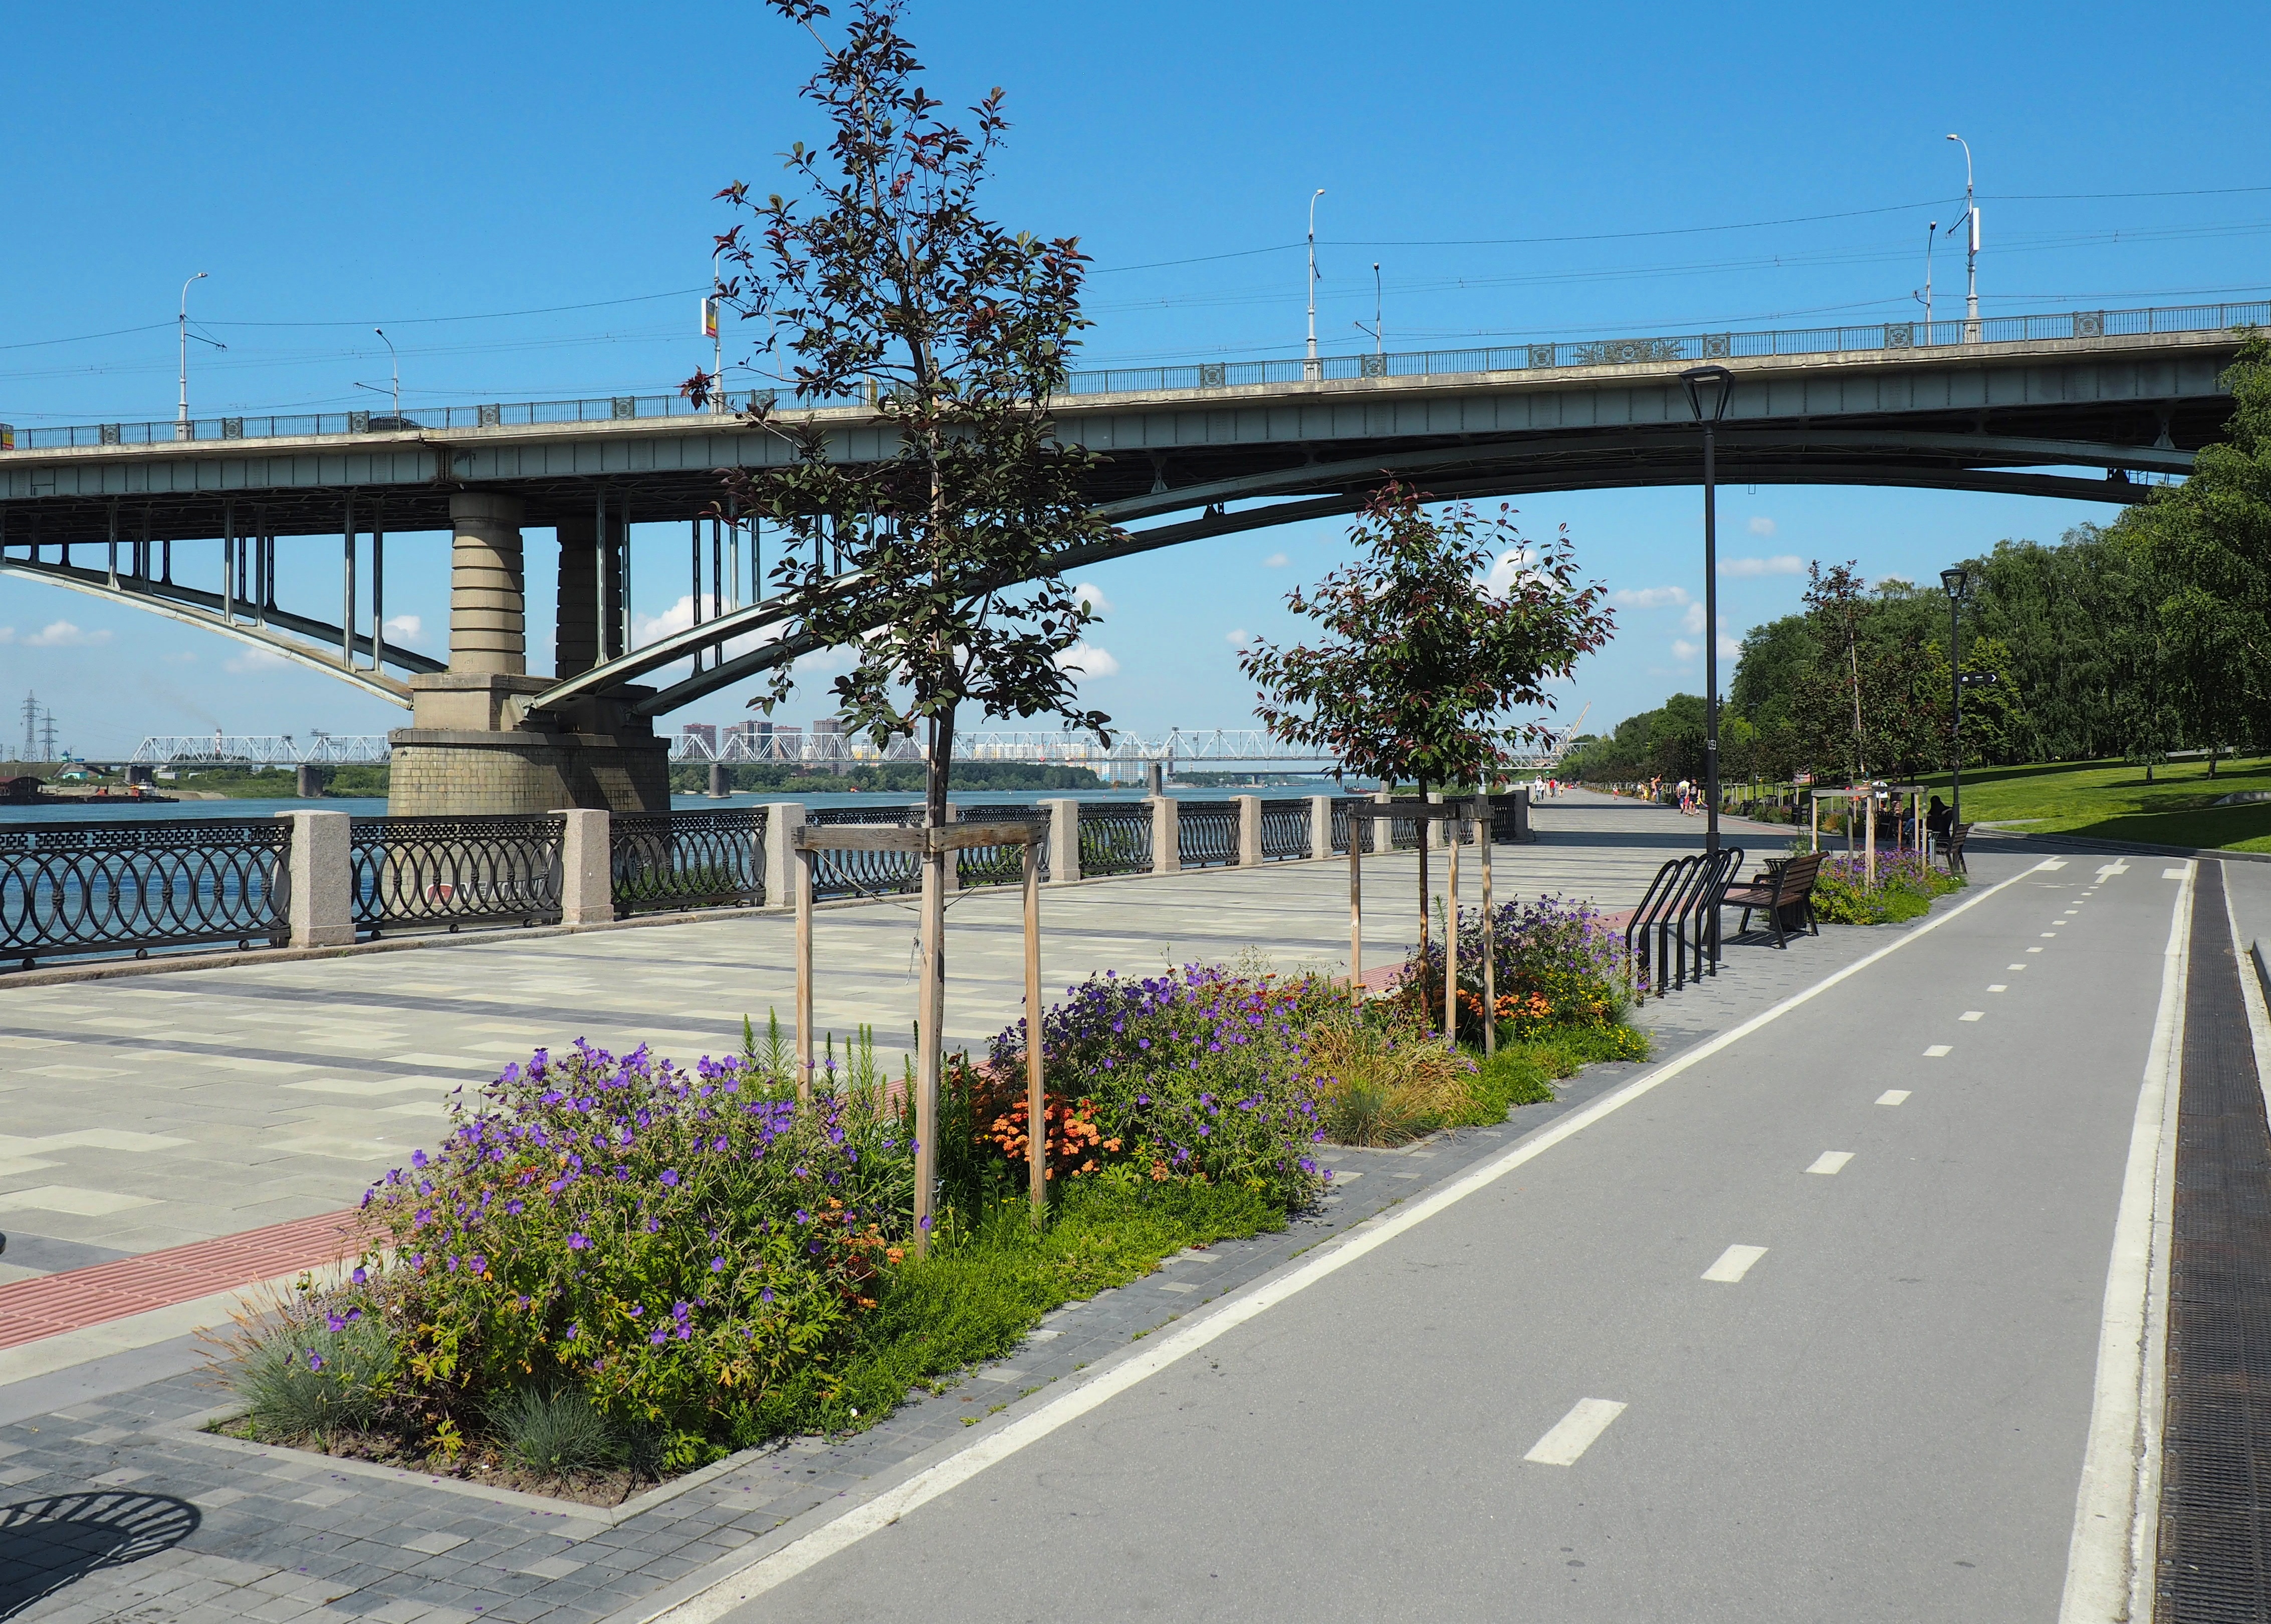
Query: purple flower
578	1241
717	1265
669	1178
314	1360
360	1276
766	1295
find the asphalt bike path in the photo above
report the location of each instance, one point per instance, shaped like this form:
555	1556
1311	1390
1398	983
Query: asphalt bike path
1811	1329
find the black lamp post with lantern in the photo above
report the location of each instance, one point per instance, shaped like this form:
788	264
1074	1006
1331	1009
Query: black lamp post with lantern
1708	390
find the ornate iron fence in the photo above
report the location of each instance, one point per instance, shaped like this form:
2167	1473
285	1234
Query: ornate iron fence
1115	837
1349	813
1210	833
866	874
443	873
998	865
1284	831
662	861
110	887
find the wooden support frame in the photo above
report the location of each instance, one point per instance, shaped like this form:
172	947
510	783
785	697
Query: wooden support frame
808	841
1472	810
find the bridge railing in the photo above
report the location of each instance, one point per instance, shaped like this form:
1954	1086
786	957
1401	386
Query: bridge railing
1851	339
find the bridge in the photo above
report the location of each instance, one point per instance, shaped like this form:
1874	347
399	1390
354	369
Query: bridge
2012	405
1230	746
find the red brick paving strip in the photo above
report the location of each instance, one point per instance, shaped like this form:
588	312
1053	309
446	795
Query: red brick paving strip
48	1305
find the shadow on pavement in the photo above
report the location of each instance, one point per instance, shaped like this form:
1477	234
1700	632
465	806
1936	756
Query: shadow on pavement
57	1539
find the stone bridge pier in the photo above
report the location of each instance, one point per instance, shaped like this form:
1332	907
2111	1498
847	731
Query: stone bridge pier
474	746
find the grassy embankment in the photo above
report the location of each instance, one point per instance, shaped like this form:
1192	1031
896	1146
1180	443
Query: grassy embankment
2112	800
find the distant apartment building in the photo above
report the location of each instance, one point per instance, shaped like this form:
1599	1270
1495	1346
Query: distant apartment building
705	732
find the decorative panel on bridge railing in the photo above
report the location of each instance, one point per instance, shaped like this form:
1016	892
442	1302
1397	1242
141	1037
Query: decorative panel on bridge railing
1210	833
998	865
1115	837
109	887
442	873
661	861
1404	833
866	874
1351	811
1284	831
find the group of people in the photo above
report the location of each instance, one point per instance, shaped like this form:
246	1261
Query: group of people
1688	794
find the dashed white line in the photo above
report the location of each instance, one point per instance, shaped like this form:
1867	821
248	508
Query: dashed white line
1575	1433
1974	1015
1830	1162
2031	950
1936	1051
1893	1097
2047	932
2014	966
1998	986
1734	1263
2172	874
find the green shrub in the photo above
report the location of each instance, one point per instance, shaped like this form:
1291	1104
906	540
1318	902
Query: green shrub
555	1433
313	1375
1906	885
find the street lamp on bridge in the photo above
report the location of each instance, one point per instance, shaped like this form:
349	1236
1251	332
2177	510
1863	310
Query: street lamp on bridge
396	361
1708	390
1971	250
1310	370
181	417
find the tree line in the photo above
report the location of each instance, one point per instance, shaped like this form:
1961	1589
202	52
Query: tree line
2130	640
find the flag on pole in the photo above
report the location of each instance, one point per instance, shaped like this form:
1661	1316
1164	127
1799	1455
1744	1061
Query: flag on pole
708	318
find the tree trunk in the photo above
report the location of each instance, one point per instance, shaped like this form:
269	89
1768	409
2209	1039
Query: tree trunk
1425	935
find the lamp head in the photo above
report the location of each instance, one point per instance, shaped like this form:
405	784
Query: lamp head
1953	581
1718	381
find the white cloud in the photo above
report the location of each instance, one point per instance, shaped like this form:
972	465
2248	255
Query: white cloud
403	626
1091	597
56	635
254	660
1089	660
1238	637
1692	622
1276	561
1729	649
1648	597
1781	564
1761	525
1683	650
1511	567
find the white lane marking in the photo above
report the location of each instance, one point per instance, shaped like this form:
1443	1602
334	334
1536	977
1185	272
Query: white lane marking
1936	1051
2014	966
1830	1163
1976	1015
709	1594
2119	865
1575	1433
2110	1557
2250	994
2031	950
2047	932
2172	874
1998	986
1734	1263
1893	1097
2053	864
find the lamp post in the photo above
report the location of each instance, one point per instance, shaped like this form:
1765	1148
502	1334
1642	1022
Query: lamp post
1953	580
711	330
181	417
1310	370
1373	331
1930	235
1971	249
396	362
1721	384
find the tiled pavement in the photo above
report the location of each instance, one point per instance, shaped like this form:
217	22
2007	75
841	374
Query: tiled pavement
279	1536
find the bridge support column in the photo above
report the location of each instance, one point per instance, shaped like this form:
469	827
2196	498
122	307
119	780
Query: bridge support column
473	746
576	642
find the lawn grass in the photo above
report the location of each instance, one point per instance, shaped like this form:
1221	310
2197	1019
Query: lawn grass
1524	1073
2113	801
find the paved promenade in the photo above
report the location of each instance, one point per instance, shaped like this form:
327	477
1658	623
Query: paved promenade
155	1111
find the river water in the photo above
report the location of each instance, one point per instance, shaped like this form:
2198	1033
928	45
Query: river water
372	806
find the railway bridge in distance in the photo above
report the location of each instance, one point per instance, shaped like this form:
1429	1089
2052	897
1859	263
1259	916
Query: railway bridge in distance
2092	405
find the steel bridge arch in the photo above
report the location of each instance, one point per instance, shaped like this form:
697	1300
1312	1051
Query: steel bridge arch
1762	457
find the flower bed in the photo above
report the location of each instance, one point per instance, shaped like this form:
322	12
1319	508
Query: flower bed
1558	966
1906	885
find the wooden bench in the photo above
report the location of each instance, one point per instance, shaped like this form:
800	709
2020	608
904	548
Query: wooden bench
1951	847
1784	892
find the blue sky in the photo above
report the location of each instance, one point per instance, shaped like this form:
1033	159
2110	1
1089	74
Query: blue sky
1516	171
